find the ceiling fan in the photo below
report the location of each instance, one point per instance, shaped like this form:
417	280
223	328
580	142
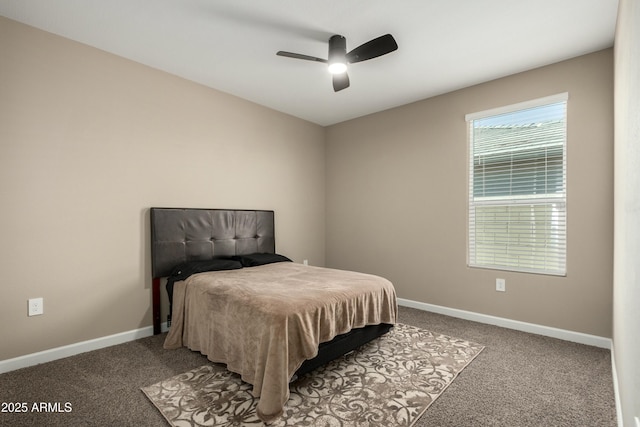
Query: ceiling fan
339	58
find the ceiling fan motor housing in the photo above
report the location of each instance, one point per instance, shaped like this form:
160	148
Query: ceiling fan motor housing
337	50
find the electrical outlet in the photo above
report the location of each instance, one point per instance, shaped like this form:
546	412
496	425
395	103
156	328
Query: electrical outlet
36	306
501	285
305	262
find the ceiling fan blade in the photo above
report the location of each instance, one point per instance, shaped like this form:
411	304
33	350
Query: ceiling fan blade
372	49
340	81
300	56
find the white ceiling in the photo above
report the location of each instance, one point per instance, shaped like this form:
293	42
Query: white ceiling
231	45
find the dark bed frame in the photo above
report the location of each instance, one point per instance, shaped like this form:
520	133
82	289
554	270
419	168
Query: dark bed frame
188	234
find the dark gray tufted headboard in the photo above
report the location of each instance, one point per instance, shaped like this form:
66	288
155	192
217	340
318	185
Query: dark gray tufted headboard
179	235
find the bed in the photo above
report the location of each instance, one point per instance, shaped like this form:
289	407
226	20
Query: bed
269	319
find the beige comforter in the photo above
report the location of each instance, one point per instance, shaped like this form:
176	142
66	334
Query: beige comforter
264	322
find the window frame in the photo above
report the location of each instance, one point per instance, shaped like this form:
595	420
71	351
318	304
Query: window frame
534	201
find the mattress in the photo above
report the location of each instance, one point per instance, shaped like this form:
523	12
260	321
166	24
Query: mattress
263	322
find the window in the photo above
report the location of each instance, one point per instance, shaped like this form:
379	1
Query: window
517	187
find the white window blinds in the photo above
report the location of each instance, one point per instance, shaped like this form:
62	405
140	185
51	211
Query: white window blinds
517	187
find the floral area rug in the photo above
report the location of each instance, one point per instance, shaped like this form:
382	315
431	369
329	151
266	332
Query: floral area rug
390	381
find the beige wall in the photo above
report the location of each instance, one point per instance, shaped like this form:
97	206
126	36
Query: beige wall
397	200
88	142
626	320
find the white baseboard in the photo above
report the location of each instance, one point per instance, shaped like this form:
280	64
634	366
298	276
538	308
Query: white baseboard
562	334
95	344
616	389
73	349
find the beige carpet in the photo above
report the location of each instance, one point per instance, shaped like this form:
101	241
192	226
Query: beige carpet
388	382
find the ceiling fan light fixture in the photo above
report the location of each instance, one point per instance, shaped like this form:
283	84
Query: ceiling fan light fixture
337	54
337	67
